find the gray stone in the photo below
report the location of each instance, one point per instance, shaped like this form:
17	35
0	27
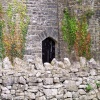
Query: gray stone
8	81
38	63
93	72
79	82
61	64
39	94
71	86
69	94
56	80
83	97
95	99
7	64
0	64
48	81
50	92
7	91
4	89
33	89
19	98
75	94
54	62
41	98
74	69
31	95
22	80
98	95
69	99
82	74
81	91
48	66
92	61
67	62
38	74
60	96
6	96
60	91
54	99
19	64
83	61
12	92
0	80
90	97
82	86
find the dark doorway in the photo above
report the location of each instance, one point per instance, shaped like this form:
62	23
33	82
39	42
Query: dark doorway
48	50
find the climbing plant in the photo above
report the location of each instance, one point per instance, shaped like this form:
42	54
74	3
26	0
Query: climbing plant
75	33
16	29
1	33
69	28
83	40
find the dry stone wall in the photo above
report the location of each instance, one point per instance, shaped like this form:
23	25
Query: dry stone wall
55	81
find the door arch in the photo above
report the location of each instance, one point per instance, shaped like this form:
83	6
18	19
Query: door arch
48	50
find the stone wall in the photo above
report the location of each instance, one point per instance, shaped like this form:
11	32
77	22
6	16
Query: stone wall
43	24
45	21
94	24
55	81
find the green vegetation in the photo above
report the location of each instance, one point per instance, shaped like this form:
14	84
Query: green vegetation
88	88
1	33
75	34
89	13
97	84
79	1
69	28
14	32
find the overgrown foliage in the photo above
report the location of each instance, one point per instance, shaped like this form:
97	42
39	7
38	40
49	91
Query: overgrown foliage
1	34
76	35
83	39
16	22
69	28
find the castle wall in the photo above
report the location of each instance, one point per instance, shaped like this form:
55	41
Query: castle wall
43	23
94	25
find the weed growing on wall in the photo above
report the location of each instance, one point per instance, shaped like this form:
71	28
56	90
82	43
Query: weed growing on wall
76	35
69	28
16	29
83	39
1	33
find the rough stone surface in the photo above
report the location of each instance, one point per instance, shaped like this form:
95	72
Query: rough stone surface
46	20
67	62
83	61
56	83
6	63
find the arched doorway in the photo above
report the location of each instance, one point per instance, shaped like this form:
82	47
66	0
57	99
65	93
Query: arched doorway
48	50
